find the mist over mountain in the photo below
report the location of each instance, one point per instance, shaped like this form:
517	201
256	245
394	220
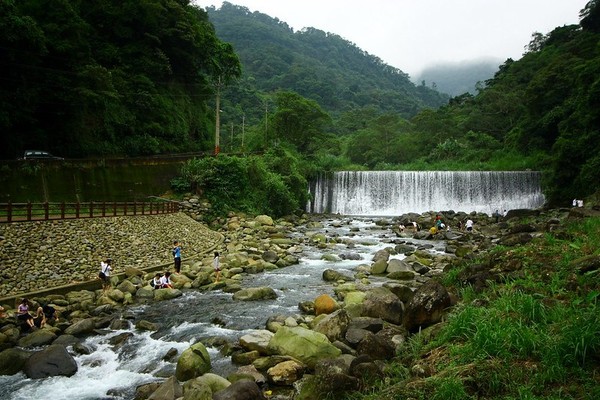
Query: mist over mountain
458	78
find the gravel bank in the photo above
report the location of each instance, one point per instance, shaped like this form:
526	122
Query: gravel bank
38	255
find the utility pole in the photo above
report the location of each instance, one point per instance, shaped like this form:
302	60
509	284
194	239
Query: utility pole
243	125
266	124
231	145
218	117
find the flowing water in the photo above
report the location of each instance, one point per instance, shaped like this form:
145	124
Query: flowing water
399	192
113	372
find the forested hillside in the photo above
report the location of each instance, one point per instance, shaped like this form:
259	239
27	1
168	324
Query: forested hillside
108	77
320	66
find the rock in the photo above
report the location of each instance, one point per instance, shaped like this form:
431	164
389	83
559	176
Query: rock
368	323
395	265
40	337
303	344
286	373
146	325
82	327
330	275
127	287
325	304
55	360
270	256
382	303
515	240
169	390
376	347
240	390
333	325
379	267
521	213
13	360
167	294
193	362
256	293
404	293
257	340
264	220
245	358
427	306
585	264
203	387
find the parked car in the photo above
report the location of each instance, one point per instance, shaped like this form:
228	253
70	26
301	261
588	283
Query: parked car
39	155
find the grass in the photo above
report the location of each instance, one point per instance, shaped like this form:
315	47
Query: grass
536	335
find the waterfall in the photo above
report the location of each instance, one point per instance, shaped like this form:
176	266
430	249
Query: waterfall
399	192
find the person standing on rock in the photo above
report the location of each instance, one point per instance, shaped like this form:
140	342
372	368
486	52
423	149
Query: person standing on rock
177	255
217	266
104	273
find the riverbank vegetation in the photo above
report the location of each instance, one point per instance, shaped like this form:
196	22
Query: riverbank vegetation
534	334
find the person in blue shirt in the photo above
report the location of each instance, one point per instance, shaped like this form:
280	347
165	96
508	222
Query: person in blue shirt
177	255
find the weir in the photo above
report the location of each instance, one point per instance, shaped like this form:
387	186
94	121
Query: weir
387	193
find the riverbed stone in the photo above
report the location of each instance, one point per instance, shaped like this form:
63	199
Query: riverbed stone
240	390
256	293
286	373
167	294
257	340
333	325
325	304
427	306
13	360
382	303
54	360
82	327
303	344
169	390
39	337
193	362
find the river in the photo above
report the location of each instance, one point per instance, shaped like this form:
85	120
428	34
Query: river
113	372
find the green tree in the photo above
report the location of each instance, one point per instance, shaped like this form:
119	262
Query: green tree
299	121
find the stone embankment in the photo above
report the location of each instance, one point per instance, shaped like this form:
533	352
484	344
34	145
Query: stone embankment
45	254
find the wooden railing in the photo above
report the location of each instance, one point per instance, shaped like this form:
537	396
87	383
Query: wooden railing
18	212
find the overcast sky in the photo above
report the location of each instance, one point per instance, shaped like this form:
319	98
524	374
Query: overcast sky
414	34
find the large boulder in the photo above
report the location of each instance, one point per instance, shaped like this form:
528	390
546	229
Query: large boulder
427	306
193	362
382	303
303	344
54	360
256	293
240	390
13	360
